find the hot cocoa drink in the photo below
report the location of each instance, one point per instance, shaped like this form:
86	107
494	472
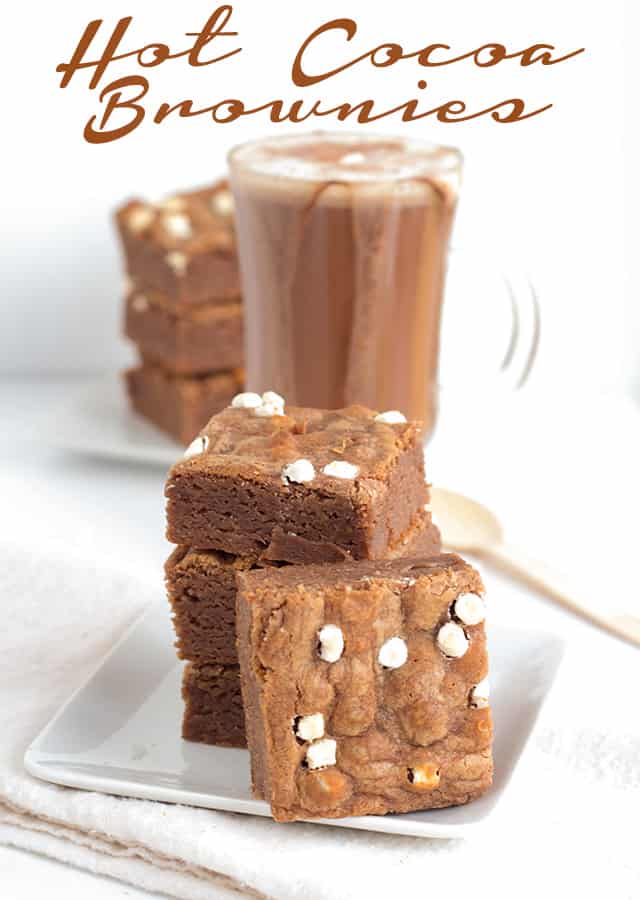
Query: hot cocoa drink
343	250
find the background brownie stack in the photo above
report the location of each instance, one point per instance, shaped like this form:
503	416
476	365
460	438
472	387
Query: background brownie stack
264	487
183	309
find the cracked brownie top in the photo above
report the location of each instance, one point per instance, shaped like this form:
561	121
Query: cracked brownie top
332	451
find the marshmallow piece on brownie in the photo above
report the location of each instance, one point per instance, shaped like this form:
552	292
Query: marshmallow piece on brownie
339	468
309	728
469	609
298	472
393	653
198	445
452	640
246	400
267	410
177	260
331	643
222	203
321	753
273	398
479	697
392	417
139	218
177	225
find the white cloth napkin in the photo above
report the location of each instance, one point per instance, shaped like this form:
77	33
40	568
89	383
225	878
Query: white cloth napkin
569	820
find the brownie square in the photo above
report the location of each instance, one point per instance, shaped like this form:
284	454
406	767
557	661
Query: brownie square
213	711
304	485
201	585
178	404
183	247
186	341
365	686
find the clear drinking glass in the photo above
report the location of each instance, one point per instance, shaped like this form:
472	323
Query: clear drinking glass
343	245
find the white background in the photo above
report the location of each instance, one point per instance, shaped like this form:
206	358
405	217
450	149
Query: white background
553	194
550	193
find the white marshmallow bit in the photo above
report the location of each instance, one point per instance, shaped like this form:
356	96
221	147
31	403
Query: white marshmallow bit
391	417
470	609
272	397
331	643
222	203
339	468
479	698
140	303
299	471
246	400
139	218
393	653
321	753
310	728
177	261
197	445
265	410
452	640
353	159
178	226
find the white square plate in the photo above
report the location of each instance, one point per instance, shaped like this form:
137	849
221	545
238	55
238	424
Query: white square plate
120	733
96	419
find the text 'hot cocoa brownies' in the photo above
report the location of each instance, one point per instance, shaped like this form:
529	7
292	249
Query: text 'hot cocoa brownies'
300	485
365	686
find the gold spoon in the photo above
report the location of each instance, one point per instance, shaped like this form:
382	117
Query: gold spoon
469	526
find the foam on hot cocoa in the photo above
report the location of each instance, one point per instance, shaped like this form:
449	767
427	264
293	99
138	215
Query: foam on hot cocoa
348	158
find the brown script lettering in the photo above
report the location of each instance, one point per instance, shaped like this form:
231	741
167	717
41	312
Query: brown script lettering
125	99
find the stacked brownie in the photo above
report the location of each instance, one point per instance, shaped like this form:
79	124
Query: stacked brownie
182	309
261	490
313	605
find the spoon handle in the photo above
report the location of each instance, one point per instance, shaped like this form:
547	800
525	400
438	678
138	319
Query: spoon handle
544	579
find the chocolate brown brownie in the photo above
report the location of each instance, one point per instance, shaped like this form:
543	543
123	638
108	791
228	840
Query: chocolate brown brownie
201	585
184	247
186	341
178	404
298	485
365	686
213	705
